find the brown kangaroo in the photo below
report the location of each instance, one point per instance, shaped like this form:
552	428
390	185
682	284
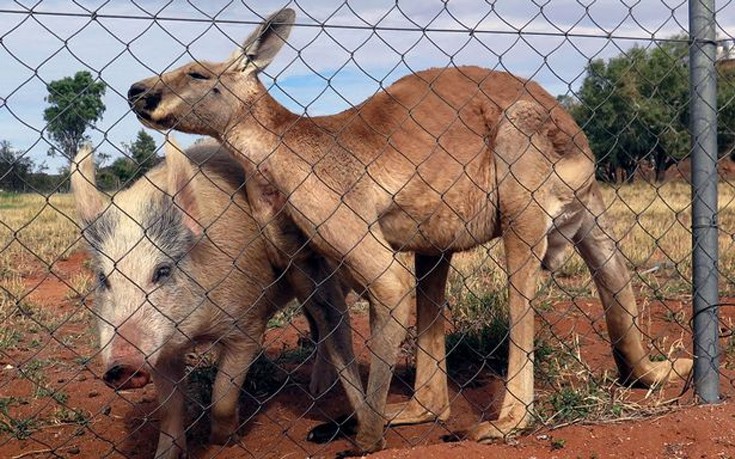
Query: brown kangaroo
441	161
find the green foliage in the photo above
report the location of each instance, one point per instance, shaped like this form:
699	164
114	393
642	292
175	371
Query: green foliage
140	157
570	404
265	377
558	443
726	111
17	173
480	340
143	153
74	104
124	169
472	351
634	107
107	179
18	428
15	168
42	182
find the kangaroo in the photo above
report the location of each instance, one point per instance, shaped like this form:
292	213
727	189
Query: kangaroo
439	162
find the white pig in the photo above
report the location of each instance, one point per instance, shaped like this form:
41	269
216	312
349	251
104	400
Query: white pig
180	260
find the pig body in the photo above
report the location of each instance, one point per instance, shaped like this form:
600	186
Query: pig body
180	260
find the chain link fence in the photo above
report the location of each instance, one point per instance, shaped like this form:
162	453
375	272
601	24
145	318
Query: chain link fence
268	281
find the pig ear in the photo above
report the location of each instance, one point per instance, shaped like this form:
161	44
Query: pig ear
259	49
88	199
181	184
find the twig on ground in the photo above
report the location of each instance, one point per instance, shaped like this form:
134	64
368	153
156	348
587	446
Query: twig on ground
43	451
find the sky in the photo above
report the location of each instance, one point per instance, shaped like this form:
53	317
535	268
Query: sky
339	52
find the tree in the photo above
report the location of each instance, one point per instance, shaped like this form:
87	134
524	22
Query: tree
726	112
124	169
15	168
75	103
140	156
568	102
634	108
143	153
101	158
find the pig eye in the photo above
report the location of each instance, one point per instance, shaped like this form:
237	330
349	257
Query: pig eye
102	279
162	273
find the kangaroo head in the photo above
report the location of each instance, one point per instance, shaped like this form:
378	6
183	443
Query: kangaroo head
207	97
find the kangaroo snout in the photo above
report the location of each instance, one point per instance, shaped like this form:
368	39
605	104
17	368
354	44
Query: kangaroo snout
143	99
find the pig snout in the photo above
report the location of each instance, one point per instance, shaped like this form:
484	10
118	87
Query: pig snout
126	367
123	375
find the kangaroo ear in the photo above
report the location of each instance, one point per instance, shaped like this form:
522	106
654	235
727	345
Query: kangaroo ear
259	49
88	199
181	184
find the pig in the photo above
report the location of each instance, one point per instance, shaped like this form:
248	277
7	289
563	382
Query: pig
180	260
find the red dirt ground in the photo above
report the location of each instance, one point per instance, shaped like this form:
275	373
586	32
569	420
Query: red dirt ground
125	424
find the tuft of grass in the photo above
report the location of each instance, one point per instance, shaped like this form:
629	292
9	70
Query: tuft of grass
558	443
304	349
82	361
265	377
60	397
9	337
19	428
34	371
285	315
66	415
480	345
677	317
570	404
7	402
80	284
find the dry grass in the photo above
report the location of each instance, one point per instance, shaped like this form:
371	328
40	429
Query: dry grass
35	232
652	223
653	226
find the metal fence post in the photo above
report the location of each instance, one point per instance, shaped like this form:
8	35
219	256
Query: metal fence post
703	111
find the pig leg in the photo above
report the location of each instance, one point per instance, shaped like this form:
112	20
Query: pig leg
286	249
323	373
234	362
170	385
327	308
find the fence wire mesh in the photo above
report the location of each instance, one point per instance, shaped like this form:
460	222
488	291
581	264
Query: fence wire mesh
269	281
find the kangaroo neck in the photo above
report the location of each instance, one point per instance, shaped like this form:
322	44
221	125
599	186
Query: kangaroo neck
261	139
260	128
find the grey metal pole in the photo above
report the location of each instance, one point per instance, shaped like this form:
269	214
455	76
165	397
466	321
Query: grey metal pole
703	112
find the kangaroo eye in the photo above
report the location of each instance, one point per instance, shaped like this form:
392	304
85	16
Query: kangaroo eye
102	279
161	273
197	76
